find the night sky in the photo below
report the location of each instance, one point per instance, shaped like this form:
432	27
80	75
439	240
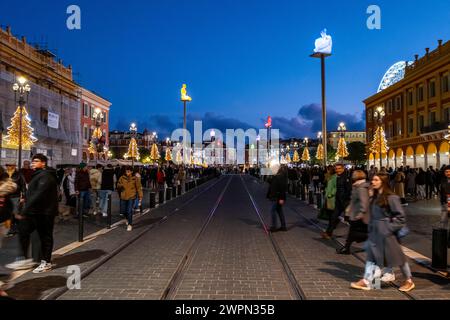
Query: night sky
242	60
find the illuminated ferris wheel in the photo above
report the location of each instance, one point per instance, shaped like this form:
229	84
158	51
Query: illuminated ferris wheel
393	75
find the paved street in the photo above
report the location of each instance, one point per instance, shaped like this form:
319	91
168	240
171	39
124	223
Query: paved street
211	244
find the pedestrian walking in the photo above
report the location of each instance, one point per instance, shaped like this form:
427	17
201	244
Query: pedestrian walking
342	199
106	188
38	213
383	249
15	197
357	212
128	187
429	181
95	178
83	187
399	185
277	194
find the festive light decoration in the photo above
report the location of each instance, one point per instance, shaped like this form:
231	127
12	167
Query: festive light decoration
178	157
154	153
447	136
379	142
342	151
288	158
133	151
305	155
296	157
319	153
184	95
168	156
12	138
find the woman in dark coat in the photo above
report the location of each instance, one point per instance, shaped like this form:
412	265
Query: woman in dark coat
383	249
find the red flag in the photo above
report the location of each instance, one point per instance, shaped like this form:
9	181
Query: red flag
269	122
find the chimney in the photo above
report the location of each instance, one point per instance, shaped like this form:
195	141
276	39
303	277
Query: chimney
8	30
416	56
427	50
439	44
70	66
24	39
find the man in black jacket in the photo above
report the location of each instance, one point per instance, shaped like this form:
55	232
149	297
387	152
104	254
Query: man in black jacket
445	196
277	193
106	189
343	194
38	213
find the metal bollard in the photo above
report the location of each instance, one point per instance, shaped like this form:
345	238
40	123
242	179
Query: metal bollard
319	200
186	187
311	196
297	190
109	218
168	194
152	199
179	190
174	192
161	197
439	248
80	218
302	192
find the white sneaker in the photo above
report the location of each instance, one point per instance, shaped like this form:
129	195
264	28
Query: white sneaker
43	267
129	228
388	277
105	215
22	264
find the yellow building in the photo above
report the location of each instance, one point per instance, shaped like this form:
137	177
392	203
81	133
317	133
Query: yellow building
415	97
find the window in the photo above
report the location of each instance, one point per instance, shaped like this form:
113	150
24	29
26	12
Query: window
44	115
398	127
432	118
410	125
86	110
86	133
389	107
92	112
445	82
432	92
446	114
390	130
104	117
410	97
91	131
420	122
398	103
369	115
420	94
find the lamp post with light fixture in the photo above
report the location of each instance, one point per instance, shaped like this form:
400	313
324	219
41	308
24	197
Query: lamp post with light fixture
22	88
379	114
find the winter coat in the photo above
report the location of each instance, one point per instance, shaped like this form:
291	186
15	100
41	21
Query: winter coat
107	179
382	246
399	186
330	192
359	203
129	187
277	188
82	181
420	178
343	190
445	189
410	180
429	178
95	178
42	193
7	187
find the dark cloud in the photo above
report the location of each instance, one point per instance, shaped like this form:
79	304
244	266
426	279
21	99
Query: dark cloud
307	122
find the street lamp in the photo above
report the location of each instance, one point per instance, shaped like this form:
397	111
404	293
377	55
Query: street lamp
379	114
22	88
342	148
98	134
258	138
132	150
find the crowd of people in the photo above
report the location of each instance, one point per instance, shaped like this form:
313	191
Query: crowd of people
372	202
32	197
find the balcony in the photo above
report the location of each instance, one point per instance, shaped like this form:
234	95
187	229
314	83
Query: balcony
437	126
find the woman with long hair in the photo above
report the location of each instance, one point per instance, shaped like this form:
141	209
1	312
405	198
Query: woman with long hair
383	249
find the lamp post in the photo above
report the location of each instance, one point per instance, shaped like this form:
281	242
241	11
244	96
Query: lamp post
133	130
212	135
98	116
258	138
22	90
341	129
379	114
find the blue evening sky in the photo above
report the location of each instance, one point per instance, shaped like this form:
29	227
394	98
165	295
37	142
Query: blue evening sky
242	60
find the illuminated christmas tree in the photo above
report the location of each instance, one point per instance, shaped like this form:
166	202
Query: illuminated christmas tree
296	157
379	142
288	158
342	151
154	153
179	158
305	155
319	153
133	151
12	137
168	155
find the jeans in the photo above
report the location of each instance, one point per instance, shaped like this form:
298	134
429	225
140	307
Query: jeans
406	270
103	195
43	224
277	209
85	196
421	191
126	209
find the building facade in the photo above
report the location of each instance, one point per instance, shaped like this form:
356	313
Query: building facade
89	102
120	140
53	104
350	136
417	113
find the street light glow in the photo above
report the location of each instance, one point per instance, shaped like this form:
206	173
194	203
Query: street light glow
22	80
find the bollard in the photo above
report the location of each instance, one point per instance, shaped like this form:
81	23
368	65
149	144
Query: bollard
297	190
302	192
179	190
294	189
109	221
168	194
152	199
439	248
319	200
80	218
161	196
311	196
186	187
174	192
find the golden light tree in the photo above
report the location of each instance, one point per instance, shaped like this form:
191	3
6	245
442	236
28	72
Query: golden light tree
379	142
168	156
342	151
133	151
319	153
178	157
296	157
288	158
154	153
305	155
12	137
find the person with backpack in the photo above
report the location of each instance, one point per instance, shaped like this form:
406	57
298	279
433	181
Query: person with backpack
128	187
383	250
